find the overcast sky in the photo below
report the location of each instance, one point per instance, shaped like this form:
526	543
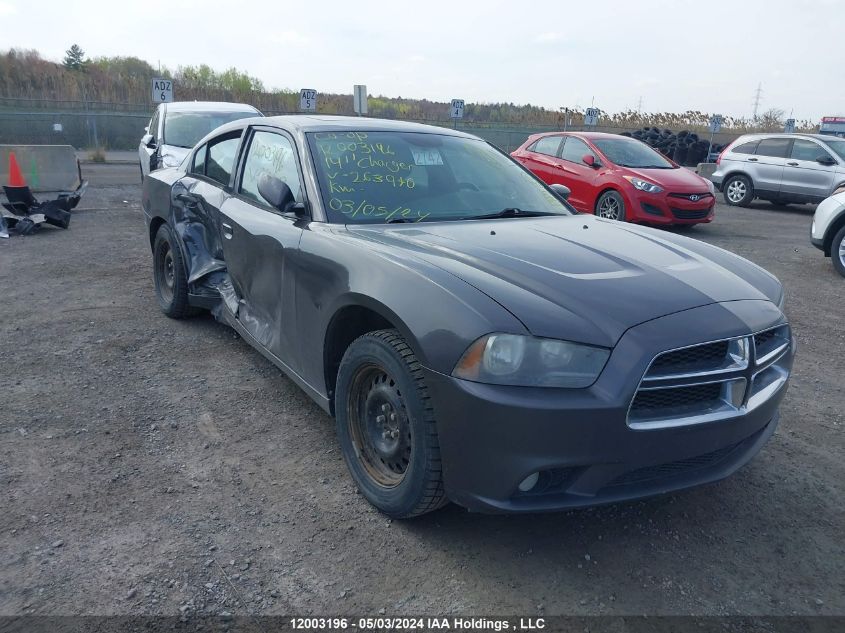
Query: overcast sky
676	55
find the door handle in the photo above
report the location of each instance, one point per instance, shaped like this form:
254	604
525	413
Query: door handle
753	160
793	164
227	231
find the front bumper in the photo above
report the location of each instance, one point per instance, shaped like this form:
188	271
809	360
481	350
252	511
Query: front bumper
493	437
825	222
664	208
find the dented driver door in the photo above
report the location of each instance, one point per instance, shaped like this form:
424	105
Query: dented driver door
260	245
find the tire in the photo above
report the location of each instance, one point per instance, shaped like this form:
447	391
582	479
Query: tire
386	426
837	251
742	193
611	206
171	281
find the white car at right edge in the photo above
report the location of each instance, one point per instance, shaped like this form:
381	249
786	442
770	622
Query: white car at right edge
828	230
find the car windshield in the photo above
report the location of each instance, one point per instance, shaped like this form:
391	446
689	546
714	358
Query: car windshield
378	177
838	147
184	129
631	153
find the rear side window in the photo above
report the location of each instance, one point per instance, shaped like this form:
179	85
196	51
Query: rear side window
774	147
547	145
806	150
745	148
575	149
221	159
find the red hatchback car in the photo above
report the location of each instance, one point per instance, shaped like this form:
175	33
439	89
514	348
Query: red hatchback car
618	177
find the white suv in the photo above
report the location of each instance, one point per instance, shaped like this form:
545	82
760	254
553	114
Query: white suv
781	168
828	230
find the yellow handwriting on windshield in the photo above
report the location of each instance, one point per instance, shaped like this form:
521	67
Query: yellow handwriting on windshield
355	208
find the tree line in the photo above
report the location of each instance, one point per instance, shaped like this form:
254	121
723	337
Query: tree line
125	81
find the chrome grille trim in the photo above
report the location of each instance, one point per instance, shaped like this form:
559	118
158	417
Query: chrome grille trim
736	357
749	372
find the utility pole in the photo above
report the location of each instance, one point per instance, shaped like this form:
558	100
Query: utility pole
640	106
756	103
564	112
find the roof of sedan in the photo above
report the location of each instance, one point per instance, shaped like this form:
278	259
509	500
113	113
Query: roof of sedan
818	137
210	106
323	123
590	135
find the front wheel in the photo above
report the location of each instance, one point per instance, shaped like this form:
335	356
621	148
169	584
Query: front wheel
171	280
386	426
837	251
611	206
739	192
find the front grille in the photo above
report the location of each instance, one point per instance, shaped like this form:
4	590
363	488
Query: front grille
697	358
771	343
675	469
677	398
711	381
685	214
761	339
686	196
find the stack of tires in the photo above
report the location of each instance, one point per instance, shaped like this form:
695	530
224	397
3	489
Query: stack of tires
685	147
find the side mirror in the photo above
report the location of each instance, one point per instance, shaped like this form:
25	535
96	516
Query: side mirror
588	159
277	193
561	190
148	140
825	159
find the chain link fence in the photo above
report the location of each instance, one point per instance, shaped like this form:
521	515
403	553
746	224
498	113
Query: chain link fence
80	129
119	126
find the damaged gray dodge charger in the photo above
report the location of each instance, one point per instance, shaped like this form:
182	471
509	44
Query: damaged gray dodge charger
475	339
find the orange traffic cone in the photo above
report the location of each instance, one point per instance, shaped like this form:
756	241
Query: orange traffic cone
15	175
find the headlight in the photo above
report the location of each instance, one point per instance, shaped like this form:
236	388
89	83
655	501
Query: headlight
527	361
782	301
643	185
710	186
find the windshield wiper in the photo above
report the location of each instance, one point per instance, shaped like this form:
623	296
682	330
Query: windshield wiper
510	212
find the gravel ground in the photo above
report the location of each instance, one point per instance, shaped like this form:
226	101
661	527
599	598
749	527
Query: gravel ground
152	466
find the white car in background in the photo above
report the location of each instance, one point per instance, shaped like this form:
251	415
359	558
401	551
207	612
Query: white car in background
176	127
828	230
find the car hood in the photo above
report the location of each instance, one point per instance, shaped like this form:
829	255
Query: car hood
579	277
176	154
680	179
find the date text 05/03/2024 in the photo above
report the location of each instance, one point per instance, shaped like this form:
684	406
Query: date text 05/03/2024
420	624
